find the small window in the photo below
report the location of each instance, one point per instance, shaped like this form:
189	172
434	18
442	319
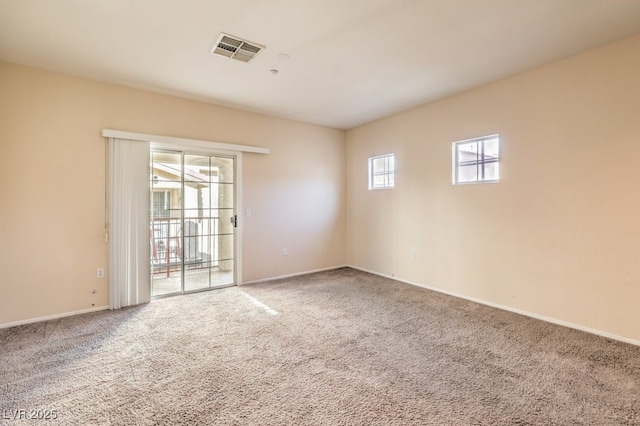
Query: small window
161	203
382	171
477	160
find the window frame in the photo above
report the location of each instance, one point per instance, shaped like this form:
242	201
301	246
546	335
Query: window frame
387	171
480	162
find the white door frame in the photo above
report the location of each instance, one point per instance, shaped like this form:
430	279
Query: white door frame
237	156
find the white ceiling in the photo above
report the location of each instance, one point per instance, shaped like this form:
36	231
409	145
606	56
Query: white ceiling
351	61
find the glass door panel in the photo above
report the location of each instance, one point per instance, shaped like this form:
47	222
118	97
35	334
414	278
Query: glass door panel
197	210
224	236
166	223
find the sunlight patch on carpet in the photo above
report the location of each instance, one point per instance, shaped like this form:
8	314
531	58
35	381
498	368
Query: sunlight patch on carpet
261	305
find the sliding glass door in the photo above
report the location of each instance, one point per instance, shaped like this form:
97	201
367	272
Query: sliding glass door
192	222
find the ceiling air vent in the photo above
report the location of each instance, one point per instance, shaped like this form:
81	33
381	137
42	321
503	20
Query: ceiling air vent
236	48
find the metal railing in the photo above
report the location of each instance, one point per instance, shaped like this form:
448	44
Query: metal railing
167	251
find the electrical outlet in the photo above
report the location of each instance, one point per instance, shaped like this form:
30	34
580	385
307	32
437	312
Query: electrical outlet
100	273
412	255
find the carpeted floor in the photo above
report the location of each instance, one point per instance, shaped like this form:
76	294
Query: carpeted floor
334	348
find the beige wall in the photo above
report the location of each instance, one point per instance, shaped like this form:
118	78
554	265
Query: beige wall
559	236
52	169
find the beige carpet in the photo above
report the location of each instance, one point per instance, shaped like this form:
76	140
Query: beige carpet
334	348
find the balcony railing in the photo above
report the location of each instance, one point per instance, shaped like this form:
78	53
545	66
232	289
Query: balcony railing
168	247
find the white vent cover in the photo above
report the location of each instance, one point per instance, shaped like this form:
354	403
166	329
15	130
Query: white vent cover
236	48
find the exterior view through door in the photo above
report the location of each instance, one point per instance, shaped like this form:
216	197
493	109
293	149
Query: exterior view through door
192	222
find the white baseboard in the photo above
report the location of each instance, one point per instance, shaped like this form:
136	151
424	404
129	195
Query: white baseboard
52	317
509	308
296	274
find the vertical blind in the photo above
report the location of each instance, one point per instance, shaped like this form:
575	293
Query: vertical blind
128	223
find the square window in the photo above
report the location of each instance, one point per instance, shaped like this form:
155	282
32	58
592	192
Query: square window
382	171
477	160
